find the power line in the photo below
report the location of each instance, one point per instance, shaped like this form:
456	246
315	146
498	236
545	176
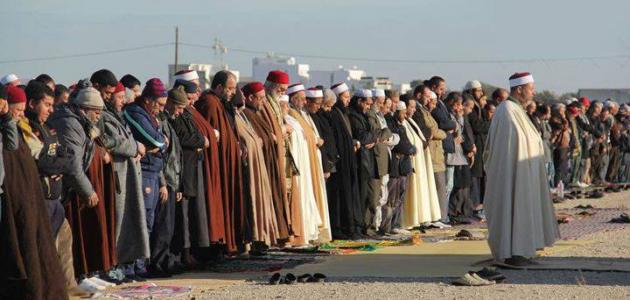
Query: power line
328	57
420	61
104	52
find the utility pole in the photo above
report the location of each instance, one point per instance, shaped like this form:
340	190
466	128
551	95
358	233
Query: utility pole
220	50
176	48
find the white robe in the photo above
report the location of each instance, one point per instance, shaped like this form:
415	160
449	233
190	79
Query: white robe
311	220
325	233
518	208
421	200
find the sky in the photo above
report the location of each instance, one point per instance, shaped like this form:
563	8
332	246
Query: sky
502	37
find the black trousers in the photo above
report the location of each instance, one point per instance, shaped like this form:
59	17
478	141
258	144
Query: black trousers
391	211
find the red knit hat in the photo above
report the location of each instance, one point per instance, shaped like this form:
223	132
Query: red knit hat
278	77
252	88
15	95
154	88
585	102
119	88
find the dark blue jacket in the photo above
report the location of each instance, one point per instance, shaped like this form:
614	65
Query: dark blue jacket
146	130
446	123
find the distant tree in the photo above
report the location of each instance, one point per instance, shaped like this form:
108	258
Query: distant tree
567	96
546	96
488	88
415	83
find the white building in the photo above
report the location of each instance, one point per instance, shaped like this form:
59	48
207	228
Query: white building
369	82
261	66
205	72
353	77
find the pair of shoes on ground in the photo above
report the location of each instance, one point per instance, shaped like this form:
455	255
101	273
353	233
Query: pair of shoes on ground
289	278
623	218
483	277
472	279
439	225
584	206
581	184
94	284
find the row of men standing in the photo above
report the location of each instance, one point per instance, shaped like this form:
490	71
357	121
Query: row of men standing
149	182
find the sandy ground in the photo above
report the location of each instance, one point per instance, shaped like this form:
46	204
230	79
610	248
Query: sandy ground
519	285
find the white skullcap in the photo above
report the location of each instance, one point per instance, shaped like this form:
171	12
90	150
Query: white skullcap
378	93
339	88
294	88
571	100
609	104
473	84
283	98
432	95
314	93
401	106
8	78
190	75
363	93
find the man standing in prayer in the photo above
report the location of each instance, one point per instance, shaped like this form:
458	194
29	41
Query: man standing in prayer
382	154
343	192
214	105
276	85
366	135
520	214
192	229
260	122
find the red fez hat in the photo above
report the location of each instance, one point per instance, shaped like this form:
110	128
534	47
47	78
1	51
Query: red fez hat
278	76
119	88
252	88
15	95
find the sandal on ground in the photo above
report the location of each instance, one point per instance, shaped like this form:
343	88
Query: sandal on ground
471	280
623	218
289	279
318	277
304	278
275	279
490	275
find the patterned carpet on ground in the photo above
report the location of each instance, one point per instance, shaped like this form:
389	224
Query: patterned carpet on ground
581	225
150	291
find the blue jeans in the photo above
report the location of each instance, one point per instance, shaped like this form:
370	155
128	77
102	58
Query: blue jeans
450	176
551	173
150	192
